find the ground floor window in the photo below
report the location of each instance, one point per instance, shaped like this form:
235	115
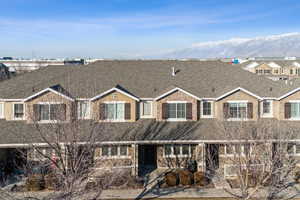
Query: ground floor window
237	149
184	150
41	154
293	148
114	150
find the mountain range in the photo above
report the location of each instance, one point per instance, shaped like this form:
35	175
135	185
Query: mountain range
269	46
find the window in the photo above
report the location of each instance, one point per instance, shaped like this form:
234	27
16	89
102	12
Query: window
114	151
293	148
183	150
231	149
1	110
237	110
295	110
51	112
83	109
146	109
42	153
206	109
115	111
177	110
266	71
298	71
276	71
18	111
291	71
266	108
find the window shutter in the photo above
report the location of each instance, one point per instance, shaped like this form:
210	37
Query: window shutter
102	108
36	112
73	112
287	110
127	111
189	111
249	110
164	111
226	110
62	112
260	109
54	112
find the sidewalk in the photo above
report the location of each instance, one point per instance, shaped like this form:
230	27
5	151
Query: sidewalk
178	193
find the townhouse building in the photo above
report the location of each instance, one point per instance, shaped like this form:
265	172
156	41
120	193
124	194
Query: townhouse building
148	113
288	68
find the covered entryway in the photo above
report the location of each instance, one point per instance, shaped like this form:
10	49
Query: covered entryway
147	158
212	157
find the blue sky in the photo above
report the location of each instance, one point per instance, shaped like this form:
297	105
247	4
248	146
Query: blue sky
128	28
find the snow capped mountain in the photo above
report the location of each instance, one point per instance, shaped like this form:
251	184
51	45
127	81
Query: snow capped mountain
269	46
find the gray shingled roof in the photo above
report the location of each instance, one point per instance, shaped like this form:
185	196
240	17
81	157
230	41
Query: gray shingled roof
17	132
144	79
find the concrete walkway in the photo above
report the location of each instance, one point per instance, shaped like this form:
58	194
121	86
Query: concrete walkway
177	193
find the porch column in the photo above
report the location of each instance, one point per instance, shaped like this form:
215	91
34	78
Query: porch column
135	160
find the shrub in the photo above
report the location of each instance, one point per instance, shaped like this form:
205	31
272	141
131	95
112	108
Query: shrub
51	181
171	179
35	183
185	177
297	177
200	179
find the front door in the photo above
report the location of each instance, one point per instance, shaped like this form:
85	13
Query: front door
147	158
212	157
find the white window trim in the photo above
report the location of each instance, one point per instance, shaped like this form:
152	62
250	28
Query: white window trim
142	109
48	103
44	151
88	115
118	156
211	108
177	119
242	153
13	113
2	114
239	119
267	115
294	118
115	102
172	155
294	153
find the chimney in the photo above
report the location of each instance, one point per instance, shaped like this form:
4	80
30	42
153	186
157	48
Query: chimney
173	71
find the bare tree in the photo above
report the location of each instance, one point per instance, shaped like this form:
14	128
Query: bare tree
255	158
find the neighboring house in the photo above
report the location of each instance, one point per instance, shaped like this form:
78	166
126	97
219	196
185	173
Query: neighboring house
4	72
290	68
148	111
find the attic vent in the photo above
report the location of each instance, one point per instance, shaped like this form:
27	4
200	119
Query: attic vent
213	89
271	89
173	71
33	89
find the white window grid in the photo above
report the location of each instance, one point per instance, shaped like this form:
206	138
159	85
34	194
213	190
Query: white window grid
142	109
211	109
262	109
86	114
181	151
118	152
13	113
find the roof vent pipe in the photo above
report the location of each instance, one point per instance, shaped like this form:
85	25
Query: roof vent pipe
173	71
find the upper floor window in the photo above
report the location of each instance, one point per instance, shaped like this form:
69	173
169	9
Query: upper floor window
292	110
291	71
207	109
267	71
146	109
18	110
50	112
236	110
115	111
177	111
83	109
276	71
266	108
